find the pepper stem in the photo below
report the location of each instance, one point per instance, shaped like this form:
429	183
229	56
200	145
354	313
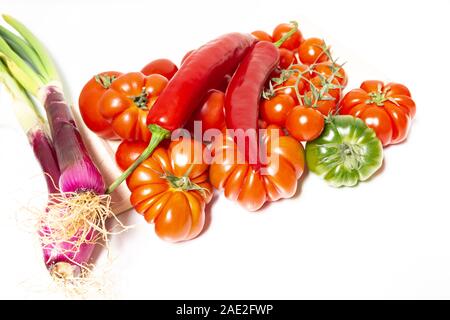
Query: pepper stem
158	135
287	35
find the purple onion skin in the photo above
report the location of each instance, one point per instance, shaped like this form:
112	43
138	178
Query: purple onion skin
45	154
82	173
67	252
78	171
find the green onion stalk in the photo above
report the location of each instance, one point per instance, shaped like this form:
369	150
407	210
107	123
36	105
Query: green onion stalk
74	220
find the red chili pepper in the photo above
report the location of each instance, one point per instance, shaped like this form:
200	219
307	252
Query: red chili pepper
203	70
244	92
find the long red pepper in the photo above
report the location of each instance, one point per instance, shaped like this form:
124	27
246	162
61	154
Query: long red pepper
243	95
244	92
203	70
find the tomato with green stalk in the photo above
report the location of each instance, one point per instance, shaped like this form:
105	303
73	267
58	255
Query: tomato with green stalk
127	102
88	103
386	108
171	189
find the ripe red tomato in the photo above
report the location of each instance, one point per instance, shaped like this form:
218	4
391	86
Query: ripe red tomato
89	106
128	152
325	104
211	113
290	84
286	58
305	123
262	36
311	51
330	86
171	189
276	109
387	109
164	67
126	103
291	43
328	69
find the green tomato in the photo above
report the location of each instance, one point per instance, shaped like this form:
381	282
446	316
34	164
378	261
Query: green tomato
346	152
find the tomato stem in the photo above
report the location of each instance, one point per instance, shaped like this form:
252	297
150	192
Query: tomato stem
287	35
158	135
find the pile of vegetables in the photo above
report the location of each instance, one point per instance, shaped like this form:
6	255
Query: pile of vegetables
244	113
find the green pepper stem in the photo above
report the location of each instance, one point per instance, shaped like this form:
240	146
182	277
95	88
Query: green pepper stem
158	135
287	35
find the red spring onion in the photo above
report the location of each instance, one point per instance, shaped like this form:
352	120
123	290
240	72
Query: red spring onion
75	217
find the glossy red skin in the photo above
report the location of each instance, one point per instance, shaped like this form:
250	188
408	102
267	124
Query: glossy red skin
391	121
203	70
89	109
293	41
186	56
244	91
310	51
128	152
262	36
164	67
286	58
211	113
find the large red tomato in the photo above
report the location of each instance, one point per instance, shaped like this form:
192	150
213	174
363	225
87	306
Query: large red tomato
251	188
387	109
171	189
127	102
89	106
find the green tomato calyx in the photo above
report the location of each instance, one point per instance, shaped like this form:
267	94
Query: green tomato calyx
351	156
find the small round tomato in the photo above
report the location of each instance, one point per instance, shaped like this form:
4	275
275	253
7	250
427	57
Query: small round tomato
293	41
325	104
387	109
128	152
211	114
171	189
164	67
262	36
312	51
328	69
290	84
126	103
326	85
89	106
276	109
286	58
305	123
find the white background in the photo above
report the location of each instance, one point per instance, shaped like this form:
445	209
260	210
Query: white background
388	238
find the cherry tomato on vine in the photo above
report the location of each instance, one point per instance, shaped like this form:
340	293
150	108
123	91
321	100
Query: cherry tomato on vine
286	58
305	123
262	36
276	109
128	152
312	51
290	84
330	86
325	104
164	67
126	103
328	69
88	103
291	43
